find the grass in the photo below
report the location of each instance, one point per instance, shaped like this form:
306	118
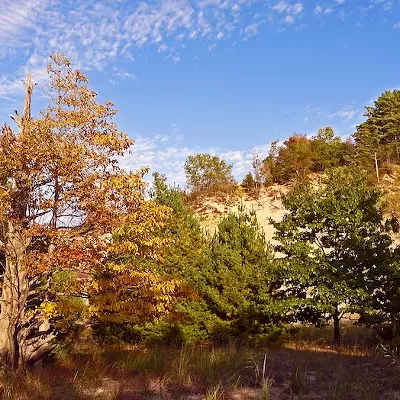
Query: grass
304	368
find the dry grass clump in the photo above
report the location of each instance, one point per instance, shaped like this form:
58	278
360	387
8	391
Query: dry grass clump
224	193
305	369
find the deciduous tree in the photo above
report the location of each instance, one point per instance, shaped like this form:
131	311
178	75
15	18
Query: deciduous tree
67	210
205	172
336	245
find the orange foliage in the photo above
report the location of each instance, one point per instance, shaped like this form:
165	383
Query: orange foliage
62	189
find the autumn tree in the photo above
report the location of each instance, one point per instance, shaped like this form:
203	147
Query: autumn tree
205	172
292	160
69	211
300	155
336	245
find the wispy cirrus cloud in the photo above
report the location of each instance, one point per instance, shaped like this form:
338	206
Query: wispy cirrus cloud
18	16
94	33
97	33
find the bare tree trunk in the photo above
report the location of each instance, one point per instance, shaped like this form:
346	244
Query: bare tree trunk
15	288
377	168
336	327
14	296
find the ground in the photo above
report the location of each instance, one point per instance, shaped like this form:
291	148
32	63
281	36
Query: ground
267	204
305	367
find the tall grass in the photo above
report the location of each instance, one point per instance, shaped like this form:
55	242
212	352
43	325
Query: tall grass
209	373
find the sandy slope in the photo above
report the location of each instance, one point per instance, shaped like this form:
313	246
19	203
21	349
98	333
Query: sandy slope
268	205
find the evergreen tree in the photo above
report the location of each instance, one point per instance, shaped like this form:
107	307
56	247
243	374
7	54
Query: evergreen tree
184	254
239	285
249	183
377	139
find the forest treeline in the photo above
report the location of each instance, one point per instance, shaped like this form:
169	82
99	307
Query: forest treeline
86	244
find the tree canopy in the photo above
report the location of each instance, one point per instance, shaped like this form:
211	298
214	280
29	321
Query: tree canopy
336	244
299	156
377	138
206	171
70	211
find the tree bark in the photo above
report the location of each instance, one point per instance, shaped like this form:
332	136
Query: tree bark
377	168
15	287
336	327
14	295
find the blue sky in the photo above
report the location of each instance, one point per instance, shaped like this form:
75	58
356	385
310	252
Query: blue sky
220	76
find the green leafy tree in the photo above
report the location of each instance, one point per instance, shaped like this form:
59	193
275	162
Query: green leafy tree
185	251
271	169
335	245
385	305
329	150
207	172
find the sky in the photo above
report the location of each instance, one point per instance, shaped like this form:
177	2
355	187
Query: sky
219	76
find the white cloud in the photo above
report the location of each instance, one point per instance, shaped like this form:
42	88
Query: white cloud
97	34
166	154
162	48
251	30
124	74
18	16
283	6
345	114
320	10
289	19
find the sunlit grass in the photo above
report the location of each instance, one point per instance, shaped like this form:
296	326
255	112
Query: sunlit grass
307	366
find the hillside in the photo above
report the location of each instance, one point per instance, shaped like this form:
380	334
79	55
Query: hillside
268	205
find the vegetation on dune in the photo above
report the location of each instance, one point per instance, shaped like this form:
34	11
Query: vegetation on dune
87	248
199	373
337	247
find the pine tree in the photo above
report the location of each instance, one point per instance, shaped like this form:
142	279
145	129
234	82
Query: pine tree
377	139
239	285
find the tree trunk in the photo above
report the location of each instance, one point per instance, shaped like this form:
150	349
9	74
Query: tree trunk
377	168
15	287
336	327
14	295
